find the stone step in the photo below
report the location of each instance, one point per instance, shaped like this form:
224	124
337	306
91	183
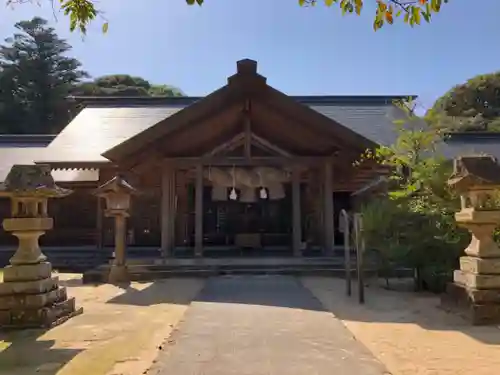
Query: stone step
44	317
100	275
229	267
33	301
28	287
60	312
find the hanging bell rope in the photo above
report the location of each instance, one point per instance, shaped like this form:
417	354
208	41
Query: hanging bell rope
262	192
233	196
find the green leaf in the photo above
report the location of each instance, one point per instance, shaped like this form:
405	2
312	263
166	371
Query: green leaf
427	17
329	3
416	15
105	27
358	5
436	5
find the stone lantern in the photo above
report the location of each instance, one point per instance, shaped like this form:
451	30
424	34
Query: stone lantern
117	192
29	295
476	285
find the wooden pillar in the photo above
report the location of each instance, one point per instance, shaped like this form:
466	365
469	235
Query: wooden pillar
328	220
99	225
167	210
198	208
181	211
296	214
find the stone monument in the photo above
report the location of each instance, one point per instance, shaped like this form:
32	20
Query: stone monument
476	285
117	193
30	295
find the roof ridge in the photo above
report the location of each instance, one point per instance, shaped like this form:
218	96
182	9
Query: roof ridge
188	100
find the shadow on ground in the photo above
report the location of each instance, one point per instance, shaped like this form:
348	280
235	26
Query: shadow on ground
23	353
275	291
157	292
396	306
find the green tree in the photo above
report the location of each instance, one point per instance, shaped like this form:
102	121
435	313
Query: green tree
471	106
123	85
414	225
413	12
35	78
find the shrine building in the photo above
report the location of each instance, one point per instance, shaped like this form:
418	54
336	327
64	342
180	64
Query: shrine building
246	166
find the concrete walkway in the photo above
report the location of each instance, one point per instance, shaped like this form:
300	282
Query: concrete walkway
262	325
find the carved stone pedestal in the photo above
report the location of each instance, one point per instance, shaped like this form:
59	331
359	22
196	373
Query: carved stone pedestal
29	295
475	291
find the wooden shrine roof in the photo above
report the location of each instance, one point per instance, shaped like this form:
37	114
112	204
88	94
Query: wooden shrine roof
107	123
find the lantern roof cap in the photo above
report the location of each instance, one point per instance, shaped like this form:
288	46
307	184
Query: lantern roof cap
117	184
31	180
475	170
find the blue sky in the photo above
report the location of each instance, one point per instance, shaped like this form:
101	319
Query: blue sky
302	51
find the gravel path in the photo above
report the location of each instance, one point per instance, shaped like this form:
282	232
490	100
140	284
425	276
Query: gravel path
262	325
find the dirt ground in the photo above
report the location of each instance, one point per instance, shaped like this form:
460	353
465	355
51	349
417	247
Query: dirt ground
119	333
409	333
122	330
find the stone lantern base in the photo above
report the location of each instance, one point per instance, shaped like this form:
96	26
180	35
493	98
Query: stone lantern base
31	298
480	307
475	291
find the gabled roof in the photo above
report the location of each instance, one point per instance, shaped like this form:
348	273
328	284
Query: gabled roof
110	124
106	122
246	84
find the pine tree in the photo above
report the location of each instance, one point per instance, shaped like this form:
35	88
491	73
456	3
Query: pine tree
36	76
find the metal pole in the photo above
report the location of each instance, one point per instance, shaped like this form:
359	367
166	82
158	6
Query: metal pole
360	247
344	217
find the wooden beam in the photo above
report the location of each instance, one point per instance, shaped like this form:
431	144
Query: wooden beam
167	209
227	146
181	232
65	165
198	225
254	161
271	146
328	220
248	132
296	213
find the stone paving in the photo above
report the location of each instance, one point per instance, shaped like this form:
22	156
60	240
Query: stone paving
262	325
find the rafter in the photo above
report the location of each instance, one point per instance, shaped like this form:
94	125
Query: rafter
247	140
